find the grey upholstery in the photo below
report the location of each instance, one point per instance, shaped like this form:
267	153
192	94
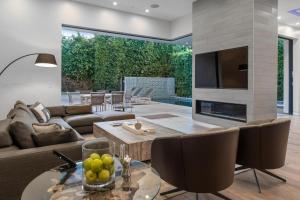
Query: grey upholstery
19	167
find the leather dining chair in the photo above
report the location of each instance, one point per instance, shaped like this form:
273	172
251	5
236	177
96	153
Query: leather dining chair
263	146
200	163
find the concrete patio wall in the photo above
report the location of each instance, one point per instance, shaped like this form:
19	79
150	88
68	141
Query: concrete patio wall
163	87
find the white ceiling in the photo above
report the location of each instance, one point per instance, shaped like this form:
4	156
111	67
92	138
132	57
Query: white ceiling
283	7
168	10
172	9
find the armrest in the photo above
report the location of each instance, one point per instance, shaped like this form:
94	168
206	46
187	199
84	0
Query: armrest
18	168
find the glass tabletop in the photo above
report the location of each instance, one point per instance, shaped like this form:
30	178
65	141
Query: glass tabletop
55	185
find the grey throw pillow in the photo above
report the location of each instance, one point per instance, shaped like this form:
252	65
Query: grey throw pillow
5	139
21	129
56	137
41	112
47	128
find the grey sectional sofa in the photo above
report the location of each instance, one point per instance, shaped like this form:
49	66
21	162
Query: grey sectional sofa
20	166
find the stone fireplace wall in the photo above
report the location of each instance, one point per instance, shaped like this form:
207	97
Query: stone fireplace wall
227	24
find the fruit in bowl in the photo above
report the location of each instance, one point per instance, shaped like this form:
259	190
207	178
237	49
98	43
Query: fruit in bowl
98	169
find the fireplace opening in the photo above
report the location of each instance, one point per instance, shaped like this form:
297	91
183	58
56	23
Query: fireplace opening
235	112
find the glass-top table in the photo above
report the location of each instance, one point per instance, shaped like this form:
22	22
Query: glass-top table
55	185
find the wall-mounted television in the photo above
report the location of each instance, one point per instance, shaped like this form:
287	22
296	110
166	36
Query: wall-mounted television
226	69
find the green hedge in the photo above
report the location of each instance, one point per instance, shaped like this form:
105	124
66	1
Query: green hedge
280	79
104	60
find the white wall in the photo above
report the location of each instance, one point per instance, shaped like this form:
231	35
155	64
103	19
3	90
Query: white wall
289	32
35	26
182	26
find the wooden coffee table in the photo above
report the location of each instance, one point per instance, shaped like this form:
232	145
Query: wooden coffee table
137	146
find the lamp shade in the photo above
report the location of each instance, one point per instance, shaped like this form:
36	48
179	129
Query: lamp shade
46	60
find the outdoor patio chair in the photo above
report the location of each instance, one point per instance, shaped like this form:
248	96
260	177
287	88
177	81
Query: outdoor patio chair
98	100
85	96
117	98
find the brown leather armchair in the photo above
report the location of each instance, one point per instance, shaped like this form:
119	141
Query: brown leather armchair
202	163
263	147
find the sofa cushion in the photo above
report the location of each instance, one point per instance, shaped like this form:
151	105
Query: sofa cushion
79	109
56	137
5	139
41	112
57	111
63	123
19	105
84	129
82	120
115	116
21	129
60	121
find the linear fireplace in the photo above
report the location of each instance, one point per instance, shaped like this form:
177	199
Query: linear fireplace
235	112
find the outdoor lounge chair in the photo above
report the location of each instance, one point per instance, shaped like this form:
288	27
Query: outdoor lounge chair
145	98
136	92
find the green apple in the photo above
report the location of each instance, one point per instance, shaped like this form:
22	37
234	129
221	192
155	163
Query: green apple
108	162
104	175
87	163
90	176
105	155
96	165
95	156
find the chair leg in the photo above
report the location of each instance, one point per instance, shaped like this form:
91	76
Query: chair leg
273	175
221	196
257	181
197	196
170	191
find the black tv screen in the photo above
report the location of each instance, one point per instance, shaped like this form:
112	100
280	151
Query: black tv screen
226	69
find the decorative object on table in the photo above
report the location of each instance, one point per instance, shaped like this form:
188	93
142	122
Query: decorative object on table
131	127
138	125
126	172
98	165
43	60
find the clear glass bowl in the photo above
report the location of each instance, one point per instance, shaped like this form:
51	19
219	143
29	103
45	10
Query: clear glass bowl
98	157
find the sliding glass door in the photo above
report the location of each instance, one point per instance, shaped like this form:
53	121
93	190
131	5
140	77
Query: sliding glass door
285	76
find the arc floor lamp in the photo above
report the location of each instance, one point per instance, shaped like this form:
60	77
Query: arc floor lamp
42	60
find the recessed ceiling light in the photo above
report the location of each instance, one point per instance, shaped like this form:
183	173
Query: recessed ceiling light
147	10
115	3
279	17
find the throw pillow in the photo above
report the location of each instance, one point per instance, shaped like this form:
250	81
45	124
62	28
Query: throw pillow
5	139
21	129
47	128
41	112
56	137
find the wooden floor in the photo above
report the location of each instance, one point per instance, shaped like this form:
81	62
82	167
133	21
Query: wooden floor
244	187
